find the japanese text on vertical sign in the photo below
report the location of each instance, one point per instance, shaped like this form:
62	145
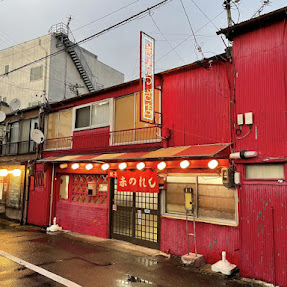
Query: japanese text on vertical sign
147	78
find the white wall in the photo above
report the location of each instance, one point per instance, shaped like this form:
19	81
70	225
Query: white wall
59	72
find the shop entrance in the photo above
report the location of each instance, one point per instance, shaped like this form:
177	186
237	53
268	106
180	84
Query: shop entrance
135	217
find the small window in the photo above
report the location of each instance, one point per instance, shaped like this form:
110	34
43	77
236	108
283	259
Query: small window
82	117
64	187
93	116
100	114
265	171
5	99
36	73
6	69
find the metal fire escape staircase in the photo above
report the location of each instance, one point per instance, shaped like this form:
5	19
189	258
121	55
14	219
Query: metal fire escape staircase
62	34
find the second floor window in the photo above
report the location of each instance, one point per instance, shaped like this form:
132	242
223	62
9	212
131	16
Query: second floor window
93	116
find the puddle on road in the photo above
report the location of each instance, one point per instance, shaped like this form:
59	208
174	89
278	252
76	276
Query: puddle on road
148	261
133	279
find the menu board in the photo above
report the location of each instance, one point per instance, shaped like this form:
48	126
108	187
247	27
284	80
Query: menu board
14	194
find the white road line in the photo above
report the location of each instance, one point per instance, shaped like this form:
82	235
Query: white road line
40	270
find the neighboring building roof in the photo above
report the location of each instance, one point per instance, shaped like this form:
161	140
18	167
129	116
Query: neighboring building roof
254	24
205	63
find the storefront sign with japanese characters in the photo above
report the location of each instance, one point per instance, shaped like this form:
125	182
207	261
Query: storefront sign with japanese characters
138	181
147	78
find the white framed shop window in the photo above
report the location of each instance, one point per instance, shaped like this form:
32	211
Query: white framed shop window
213	202
265	171
92	115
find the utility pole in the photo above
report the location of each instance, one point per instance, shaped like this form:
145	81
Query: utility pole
227	6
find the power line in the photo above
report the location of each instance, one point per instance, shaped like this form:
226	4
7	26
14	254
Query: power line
189	37
166	39
92	36
204	14
109	14
197	47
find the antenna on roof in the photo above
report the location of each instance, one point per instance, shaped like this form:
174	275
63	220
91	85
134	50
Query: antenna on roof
37	136
2	116
15	105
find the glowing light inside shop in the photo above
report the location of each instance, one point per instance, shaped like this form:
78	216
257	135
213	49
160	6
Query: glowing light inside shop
105	166
161	165
140	165
3	172
16	172
75	165
123	165
213	164
184	164
63	165
89	166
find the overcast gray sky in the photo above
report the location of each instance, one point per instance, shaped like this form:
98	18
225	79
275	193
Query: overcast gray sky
23	20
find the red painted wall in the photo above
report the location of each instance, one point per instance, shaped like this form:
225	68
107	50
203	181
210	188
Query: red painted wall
263	230
261	68
196	105
211	239
83	218
39	199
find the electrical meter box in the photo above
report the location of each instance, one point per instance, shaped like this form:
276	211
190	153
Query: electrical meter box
227	177
92	188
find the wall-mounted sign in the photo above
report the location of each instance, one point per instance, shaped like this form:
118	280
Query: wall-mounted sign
146	78
138	181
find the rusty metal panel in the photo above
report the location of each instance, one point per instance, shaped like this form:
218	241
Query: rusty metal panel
196	105
260	85
263	232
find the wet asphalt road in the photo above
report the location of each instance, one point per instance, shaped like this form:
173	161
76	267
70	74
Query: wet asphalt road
91	264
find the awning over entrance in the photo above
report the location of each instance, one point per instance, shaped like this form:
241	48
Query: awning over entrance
171	153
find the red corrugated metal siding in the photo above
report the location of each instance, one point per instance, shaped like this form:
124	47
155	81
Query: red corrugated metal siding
263	232
89	139
195	105
260	62
39	199
211	239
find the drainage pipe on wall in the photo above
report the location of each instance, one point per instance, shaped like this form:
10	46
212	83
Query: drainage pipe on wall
51	196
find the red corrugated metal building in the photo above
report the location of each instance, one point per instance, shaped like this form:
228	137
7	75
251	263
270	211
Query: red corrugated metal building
259	55
193	123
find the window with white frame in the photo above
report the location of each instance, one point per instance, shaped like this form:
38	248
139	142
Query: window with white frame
94	115
212	201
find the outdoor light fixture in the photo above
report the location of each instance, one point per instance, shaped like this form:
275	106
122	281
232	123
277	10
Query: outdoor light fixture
140	165
3	172
161	165
63	165
105	166
213	164
89	166
16	172
184	164
123	165
75	165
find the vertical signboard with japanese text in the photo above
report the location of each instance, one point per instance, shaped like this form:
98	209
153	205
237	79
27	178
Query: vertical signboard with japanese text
147	78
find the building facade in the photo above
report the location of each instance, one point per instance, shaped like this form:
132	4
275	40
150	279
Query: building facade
66	70
18	155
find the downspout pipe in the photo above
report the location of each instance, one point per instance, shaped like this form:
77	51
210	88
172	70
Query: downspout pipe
51	195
